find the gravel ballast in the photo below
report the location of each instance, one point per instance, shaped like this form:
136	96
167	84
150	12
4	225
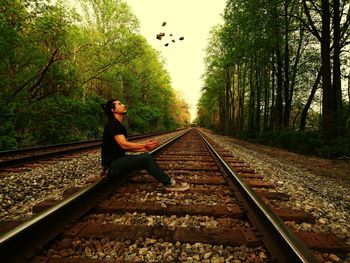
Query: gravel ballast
20	191
326	198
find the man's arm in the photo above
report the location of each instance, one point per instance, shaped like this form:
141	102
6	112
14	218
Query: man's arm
134	147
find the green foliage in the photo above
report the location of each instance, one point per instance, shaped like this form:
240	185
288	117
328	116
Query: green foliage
8	133
143	118
59	119
346	107
261	68
169	123
302	142
305	142
337	148
58	66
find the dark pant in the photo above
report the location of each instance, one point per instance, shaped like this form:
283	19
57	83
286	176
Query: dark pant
133	163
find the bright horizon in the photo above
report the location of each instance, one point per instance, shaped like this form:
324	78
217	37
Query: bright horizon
184	60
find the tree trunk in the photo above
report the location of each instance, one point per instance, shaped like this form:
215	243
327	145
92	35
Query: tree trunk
237	104
329	107
295	66
241	96
336	69
272	109
295	118
279	91
287	99
251	99
227	100
266	98
309	101
258	99
221	105
222	113
233	102
349	91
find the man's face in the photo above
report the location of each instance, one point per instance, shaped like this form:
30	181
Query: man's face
119	107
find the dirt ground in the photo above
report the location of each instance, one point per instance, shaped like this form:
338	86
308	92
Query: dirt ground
334	168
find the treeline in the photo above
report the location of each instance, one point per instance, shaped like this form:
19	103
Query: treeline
58	64
274	73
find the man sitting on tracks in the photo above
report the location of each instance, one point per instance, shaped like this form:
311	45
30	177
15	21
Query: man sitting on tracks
115	144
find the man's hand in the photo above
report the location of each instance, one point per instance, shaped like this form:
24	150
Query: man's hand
151	144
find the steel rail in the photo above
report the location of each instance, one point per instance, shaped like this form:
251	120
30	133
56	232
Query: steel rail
46	147
20	243
43	156
85	145
277	237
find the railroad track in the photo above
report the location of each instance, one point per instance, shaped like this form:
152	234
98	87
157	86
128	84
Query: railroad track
25	159
134	219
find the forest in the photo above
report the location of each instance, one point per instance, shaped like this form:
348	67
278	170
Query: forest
278	73
59	63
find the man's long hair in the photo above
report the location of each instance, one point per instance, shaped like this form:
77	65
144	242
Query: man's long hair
108	108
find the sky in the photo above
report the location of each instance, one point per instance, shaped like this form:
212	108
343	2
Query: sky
191	19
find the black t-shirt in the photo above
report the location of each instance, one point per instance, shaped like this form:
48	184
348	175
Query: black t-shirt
110	148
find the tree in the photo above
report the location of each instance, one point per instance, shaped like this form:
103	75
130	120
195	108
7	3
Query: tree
58	66
332	112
